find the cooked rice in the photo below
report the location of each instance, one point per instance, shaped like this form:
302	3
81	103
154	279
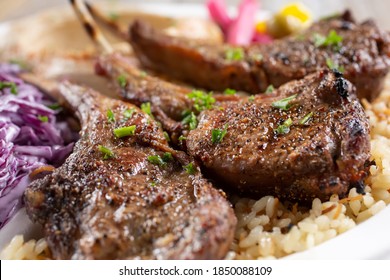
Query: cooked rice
268	228
17	249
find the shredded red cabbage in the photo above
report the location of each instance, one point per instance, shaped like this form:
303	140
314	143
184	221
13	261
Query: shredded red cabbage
30	136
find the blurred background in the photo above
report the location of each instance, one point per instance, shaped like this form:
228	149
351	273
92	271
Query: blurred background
378	9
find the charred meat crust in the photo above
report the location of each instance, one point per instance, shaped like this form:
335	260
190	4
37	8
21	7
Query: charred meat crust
319	158
126	207
364	54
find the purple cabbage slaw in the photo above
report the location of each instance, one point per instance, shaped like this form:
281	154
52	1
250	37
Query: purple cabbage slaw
30	136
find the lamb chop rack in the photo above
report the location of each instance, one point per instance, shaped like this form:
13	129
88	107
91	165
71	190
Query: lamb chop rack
125	194
325	155
360	50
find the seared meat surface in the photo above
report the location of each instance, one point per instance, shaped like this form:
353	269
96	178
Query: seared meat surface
313	144
128	197
362	51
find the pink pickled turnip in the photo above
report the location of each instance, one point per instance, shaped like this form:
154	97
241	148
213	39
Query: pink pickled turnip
218	13
242	29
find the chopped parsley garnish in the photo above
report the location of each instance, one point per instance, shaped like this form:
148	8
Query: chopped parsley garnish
147	109
161	161
306	119
167	157
190	168
181	138
156	160
110	116
107	153
270	89
218	134
332	65
229	91
284	103
201	100
234	54
191	120
122	81
11	85
166	136
124	131
153	184
251	98
284	127
127	114
54	106
43	118
143	74
333	39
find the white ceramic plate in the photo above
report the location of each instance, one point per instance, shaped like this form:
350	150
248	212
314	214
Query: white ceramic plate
369	240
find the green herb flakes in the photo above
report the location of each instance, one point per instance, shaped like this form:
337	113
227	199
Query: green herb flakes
166	136
270	89
251	98
217	135
153	184
306	119
190	168
333	39
110	116
229	91
167	157
11	85
124	131
284	128
147	109
202	100
333	65
127	114
182	138
284	103
161	161
191	120
43	118
156	160
122	81
234	54
54	106
107	153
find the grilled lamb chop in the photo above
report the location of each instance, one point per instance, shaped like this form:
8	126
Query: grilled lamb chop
363	53
128	197
313	144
